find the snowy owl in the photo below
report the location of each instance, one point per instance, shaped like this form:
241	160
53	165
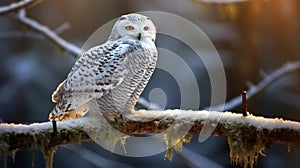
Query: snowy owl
112	74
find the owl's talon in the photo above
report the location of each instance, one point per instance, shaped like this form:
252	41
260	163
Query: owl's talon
121	116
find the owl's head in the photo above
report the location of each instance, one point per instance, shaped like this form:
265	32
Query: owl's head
134	26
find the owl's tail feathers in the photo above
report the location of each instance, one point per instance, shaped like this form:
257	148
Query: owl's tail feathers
70	106
58	115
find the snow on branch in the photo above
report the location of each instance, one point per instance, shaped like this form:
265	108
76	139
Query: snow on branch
39	135
17	6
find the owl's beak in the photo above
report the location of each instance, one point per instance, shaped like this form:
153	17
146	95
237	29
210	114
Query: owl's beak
139	36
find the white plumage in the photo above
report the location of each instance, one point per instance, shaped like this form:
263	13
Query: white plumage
114	73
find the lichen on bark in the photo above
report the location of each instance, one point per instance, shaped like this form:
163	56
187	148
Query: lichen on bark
245	142
177	146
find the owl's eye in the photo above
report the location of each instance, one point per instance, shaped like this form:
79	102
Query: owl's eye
129	27
146	28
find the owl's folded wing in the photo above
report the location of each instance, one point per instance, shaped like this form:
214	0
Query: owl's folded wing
95	73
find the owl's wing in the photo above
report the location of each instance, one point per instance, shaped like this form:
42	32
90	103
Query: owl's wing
58	93
95	73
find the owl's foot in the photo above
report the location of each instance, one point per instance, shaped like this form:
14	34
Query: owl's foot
115	117
118	117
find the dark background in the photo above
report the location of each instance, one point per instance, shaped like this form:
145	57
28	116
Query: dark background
249	36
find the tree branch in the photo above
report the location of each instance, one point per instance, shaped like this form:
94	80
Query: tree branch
37	135
51	35
18	5
262	85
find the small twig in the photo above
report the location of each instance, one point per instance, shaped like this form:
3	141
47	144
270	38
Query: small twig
17	6
263	74
63	27
150	106
51	35
244	100
262	85
249	84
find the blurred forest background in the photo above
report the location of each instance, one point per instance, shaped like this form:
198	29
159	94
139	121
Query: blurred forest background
251	37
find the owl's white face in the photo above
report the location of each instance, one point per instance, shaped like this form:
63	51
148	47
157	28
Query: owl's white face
134	26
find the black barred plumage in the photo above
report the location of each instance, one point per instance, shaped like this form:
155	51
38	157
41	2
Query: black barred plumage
114	73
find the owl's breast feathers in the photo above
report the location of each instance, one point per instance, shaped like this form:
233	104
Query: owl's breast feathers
98	72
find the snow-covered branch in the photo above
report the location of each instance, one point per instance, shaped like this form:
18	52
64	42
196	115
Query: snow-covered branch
37	135
17	6
247	136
